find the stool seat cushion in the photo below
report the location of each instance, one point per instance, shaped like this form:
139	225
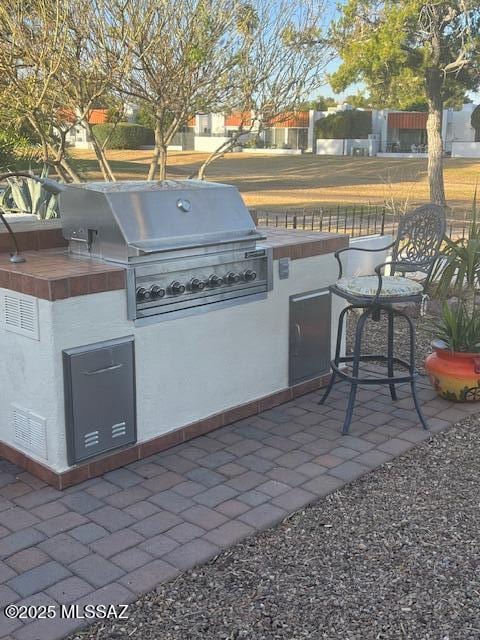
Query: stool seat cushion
392	286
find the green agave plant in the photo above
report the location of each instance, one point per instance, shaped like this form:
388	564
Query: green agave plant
28	196
458	329
459	265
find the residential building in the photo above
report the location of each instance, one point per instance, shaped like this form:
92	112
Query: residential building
394	133
404	134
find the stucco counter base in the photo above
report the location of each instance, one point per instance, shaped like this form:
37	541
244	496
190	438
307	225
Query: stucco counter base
193	374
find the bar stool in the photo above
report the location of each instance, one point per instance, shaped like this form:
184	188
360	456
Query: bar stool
414	250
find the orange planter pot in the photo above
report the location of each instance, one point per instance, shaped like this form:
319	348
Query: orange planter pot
454	375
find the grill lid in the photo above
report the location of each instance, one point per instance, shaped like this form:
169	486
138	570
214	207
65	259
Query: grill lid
154	216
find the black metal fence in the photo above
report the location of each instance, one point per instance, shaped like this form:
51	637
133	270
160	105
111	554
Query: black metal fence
354	220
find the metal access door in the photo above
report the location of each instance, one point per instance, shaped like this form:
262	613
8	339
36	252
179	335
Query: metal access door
310	330
99	398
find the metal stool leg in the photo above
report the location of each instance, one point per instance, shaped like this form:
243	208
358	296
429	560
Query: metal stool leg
357	350
391	316
337	354
413	385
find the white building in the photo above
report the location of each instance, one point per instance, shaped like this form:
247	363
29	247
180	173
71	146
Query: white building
394	133
404	134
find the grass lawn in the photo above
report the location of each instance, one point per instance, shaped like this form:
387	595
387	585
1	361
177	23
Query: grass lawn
306	180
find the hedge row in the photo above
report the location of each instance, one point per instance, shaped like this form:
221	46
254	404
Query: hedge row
345	125
124	135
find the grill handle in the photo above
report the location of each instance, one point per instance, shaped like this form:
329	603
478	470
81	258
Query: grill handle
297	339
103	370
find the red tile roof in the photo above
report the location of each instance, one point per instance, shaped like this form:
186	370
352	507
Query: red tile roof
96	116
286	120
408	120
236	119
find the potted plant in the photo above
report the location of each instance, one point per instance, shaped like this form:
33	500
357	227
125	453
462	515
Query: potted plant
454	366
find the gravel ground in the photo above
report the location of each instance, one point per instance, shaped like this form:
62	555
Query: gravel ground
393	555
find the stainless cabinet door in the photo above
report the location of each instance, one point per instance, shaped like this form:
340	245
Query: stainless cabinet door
99	398
310	330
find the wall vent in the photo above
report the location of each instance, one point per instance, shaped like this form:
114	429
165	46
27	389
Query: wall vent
21	315
29	431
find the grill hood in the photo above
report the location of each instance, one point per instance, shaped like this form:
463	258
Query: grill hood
122	221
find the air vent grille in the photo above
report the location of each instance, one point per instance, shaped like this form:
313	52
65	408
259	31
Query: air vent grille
119	430
29	431
91	439
21	315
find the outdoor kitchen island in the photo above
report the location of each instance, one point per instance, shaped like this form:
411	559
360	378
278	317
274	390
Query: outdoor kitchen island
74	363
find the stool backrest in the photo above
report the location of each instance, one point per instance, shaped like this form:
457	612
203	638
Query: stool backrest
419	237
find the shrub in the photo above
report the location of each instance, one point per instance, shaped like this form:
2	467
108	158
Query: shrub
475	122
124	135
7	150
345	125
115	114
16	147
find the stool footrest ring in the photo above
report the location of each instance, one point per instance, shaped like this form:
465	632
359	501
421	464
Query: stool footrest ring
380	380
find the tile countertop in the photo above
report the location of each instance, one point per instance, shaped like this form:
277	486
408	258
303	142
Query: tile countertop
295	243
53	274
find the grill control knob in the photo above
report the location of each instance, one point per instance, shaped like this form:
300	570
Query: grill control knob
196	285
232	278
215	281
176	288
142	294
157	292
249	275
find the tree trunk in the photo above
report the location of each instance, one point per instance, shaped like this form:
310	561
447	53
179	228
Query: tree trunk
62	160
152	170
43	139
66	166
221	151
211	158
434	137
100	154
163	163
62	173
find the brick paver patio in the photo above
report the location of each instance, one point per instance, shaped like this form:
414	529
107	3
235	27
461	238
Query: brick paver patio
112	538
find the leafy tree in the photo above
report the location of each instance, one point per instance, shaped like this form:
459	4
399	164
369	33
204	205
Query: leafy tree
281	60
475	122
404	50
57	60
358	101
416	105
323	103
27	74
146	118
183	53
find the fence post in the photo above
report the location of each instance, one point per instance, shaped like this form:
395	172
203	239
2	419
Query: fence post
294	220
382	228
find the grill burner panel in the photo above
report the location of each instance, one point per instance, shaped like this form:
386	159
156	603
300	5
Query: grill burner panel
188	245
203	280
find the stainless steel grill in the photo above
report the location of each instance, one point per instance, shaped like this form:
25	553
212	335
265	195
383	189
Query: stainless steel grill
187	245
